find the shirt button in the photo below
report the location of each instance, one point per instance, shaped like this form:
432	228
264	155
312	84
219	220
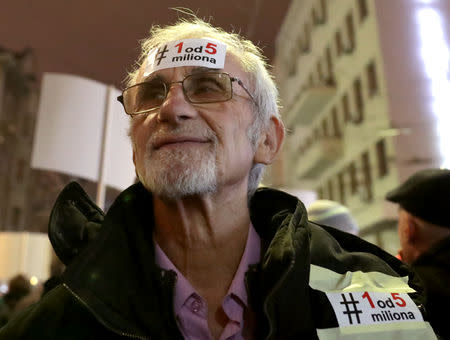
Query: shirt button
196	305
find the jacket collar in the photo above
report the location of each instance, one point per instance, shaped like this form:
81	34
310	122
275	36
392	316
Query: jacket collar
124	244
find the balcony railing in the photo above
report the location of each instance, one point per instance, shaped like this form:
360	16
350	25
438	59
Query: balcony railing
309	103
320	156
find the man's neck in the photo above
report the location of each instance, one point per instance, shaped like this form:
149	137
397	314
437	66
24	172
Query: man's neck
204	237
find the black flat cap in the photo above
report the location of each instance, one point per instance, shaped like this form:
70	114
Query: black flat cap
426	194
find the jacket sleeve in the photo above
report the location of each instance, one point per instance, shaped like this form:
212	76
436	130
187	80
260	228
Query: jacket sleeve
56	316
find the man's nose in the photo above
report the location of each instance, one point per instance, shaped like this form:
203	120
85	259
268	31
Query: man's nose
176	106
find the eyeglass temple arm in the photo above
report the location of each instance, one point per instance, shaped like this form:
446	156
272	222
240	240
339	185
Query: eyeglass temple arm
241	84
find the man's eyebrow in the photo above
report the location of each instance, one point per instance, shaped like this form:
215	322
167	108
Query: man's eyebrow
151	77
194	70
202	69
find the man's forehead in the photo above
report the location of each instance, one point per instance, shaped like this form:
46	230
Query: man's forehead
186	70
202	52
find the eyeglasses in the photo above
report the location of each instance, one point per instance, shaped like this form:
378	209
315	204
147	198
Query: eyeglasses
198	88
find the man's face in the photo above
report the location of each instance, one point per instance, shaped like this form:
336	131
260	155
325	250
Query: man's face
184	149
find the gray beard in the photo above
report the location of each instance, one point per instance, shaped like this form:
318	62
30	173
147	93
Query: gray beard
173	174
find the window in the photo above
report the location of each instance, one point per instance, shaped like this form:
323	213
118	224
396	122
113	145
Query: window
335	120
383	169
346	108
359	103
311	80
27	127
350	43
353	178
316	134
366	170
292	62
372	81
306	38
325	131
362	9
308	142
323	10
303	44
20	169
341	183
338	42
16	214
315	17
329	66
319	71
330	190
319	14
320	193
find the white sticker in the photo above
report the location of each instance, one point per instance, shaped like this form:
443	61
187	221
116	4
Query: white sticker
373	308
187	52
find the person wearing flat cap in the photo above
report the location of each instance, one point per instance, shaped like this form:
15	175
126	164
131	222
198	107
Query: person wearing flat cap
424	233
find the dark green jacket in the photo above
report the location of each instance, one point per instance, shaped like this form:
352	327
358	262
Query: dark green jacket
113	289
433	267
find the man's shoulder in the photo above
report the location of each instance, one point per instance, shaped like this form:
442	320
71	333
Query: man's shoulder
58	315
332	247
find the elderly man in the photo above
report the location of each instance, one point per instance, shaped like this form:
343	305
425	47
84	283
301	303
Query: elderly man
424	233
192	251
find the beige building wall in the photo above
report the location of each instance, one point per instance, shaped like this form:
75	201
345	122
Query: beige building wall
24	253
355	105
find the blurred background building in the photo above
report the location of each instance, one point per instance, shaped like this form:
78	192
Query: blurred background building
18	105
365	92
26	194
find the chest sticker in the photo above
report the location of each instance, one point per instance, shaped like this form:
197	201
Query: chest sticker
373	308
204	52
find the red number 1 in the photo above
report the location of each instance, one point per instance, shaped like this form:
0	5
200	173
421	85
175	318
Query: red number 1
367	296
180	47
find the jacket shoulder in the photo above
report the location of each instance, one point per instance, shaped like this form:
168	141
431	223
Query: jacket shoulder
58	315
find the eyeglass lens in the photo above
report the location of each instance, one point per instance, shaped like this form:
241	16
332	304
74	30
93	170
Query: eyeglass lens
198	88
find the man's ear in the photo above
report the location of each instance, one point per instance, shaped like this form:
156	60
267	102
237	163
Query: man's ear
270	142
412	229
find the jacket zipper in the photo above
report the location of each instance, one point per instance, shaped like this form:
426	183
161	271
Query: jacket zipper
277	286
114	330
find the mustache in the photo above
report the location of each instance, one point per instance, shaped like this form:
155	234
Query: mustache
194	132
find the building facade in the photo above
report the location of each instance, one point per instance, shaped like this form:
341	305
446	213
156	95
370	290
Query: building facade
362	101
18	106
26	195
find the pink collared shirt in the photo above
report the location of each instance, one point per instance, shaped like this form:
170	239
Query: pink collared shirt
191	309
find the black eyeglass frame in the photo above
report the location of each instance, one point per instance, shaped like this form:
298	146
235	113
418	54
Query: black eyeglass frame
168	85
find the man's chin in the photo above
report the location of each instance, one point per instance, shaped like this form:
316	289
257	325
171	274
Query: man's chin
175	183
174	192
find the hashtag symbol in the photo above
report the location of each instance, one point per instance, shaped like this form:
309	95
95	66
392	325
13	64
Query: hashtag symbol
160	55
349	312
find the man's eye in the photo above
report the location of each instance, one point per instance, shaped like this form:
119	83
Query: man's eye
155	94
153	91
207	85
149	95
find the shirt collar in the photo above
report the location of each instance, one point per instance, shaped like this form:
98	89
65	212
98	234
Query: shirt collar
184	289
250	256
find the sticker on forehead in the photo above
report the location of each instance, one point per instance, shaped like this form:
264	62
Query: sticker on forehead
187	52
